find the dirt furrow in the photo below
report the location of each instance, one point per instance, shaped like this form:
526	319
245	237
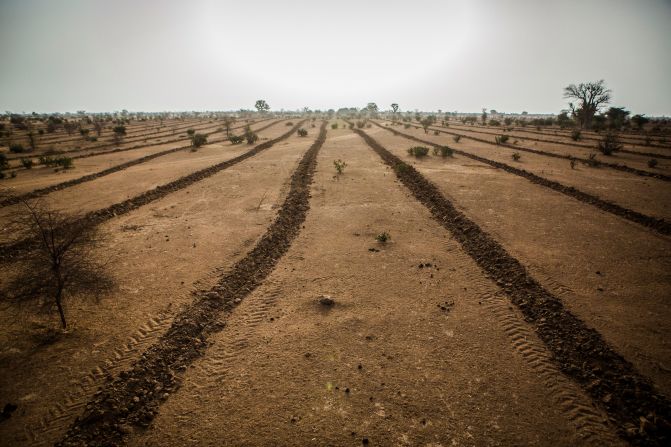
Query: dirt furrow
135	395
406	355
659	225
87	178
12	249
616	166
640	412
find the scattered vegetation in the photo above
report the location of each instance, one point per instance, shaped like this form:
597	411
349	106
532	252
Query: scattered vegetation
27	162
197	140
334	126
592	162
610	144
302	132
516	156
501	139
418	151
576	135
236	139
383	237
456	138
250	135
16	148
443	151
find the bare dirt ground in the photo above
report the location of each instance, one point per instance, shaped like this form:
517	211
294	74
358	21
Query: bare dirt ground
215	333
163	251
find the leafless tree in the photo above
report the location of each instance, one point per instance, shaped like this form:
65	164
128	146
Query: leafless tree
590	96
61	263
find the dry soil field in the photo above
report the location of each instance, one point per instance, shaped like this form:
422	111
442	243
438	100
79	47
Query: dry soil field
263	298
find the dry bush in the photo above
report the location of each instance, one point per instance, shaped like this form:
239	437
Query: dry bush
60	263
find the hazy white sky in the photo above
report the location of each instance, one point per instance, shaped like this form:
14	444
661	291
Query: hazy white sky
508	55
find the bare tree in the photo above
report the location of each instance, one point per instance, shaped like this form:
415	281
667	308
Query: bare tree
590	96
62	262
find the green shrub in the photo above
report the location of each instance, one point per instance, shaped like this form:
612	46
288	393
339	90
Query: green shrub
443	151
236	139
191	132
576	135
516	156
494	122
27	162
383	237
302	132
609	144
16	148
418	151
250	136
334	126
198	139
401	167
339	166
501	139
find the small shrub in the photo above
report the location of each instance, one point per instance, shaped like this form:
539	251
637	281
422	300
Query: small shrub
456	138
418	151
572	161
435	132
652	163
443	151
16	148
360	124
198	139
576	135
92	138
516	156
406	126
592	162
401	167
65	162
302	132
191	132
334	126
3	162
383	237
610	144
500	139
494	122
289	123
236	139
648	141
27	162
250	136
339	166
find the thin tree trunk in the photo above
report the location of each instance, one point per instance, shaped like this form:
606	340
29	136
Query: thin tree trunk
60	308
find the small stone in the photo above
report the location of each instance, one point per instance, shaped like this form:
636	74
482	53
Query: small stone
136	399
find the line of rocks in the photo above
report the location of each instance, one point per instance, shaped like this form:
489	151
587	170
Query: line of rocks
616	166
641	414
657	224
133	399
13	249
14	199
